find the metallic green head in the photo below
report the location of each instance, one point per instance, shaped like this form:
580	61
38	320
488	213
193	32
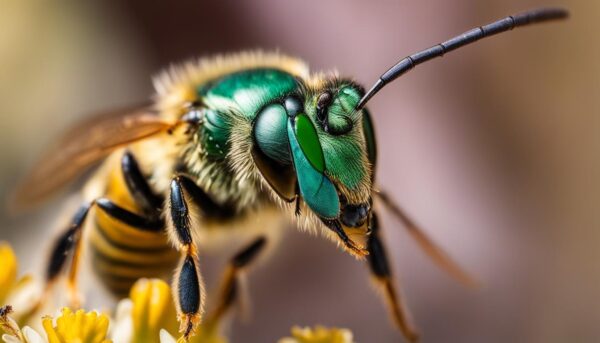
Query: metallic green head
312	144
309	141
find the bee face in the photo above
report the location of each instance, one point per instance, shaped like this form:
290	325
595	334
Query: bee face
322	137
345	149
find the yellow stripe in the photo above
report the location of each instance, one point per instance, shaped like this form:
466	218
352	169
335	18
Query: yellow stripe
137	257
124	234
120	232
123	271
117	190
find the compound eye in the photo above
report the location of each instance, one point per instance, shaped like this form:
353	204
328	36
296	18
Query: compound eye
270	133
323	103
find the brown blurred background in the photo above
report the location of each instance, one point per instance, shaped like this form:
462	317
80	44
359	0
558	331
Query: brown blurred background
494	149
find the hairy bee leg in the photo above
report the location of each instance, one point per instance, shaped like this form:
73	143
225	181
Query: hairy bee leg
137	184
231	283
381	271
206	206
68	242
132	219
188	289
427	245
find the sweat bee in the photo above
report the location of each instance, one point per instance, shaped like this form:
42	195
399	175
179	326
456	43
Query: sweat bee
238	141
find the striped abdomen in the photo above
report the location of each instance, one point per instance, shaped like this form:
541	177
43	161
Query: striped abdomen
123	253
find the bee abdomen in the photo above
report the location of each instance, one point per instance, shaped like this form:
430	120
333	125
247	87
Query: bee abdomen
120	262
123	253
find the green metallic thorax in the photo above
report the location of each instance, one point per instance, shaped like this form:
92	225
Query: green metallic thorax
243	93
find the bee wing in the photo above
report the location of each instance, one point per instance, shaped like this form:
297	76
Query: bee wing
427	244
80	148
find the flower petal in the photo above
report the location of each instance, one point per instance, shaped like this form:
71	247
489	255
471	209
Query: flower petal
32	336
24	297
122	330
153	309
50	332
10	339
124	308
166	337
80	326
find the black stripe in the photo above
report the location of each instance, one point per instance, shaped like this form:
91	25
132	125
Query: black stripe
107	277
125	263
149	271
129	248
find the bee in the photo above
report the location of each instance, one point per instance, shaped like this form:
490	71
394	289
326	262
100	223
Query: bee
243	141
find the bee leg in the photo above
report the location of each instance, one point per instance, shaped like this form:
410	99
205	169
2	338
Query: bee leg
131	219
380	269
188	289
137	184
427	245
231	281
68	242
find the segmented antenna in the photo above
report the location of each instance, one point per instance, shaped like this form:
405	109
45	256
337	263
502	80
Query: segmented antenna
471	36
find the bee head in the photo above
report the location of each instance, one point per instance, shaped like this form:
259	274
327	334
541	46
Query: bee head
328	149
347	140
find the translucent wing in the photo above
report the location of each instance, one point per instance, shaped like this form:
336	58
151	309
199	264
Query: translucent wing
80	148
429	247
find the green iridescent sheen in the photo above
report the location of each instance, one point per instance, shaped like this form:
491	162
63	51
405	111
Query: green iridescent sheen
316	189
248	91
214	134
343	159
341	112
307	137
270	133
343	153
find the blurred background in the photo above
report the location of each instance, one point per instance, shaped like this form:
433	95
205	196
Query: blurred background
493	149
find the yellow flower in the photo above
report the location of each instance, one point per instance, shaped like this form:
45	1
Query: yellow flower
21	293
78	327
8	272
150	316
152	310
319	334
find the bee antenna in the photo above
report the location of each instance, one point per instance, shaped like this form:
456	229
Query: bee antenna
471	36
